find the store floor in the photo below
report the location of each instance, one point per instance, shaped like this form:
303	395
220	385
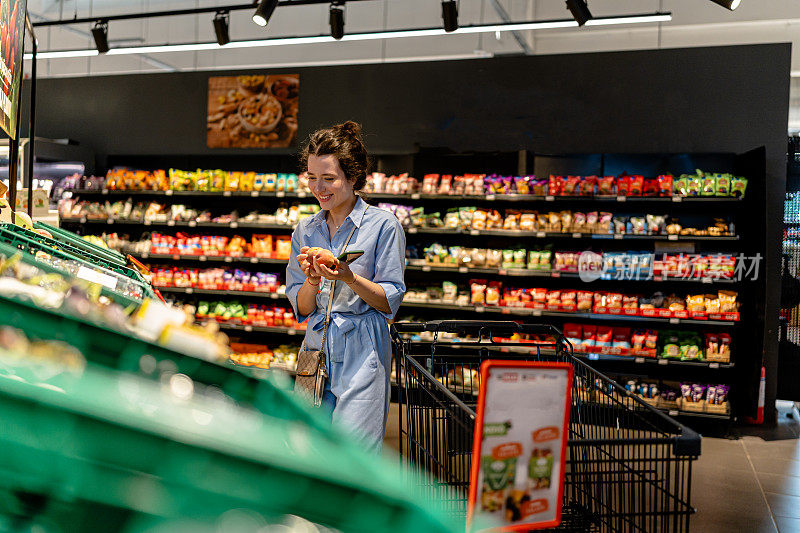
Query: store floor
751	484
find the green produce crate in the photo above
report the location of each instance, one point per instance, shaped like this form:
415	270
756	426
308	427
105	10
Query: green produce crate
32	242
122	351
9	251
88	445
62	235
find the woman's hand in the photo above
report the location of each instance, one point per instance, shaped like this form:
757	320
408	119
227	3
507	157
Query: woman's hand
307	268
341	271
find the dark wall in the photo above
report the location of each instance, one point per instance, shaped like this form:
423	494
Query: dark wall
721	99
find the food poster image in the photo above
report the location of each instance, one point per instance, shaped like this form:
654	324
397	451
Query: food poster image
12	32
252	111
524	425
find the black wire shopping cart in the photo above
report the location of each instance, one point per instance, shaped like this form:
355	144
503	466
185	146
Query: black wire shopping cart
628	465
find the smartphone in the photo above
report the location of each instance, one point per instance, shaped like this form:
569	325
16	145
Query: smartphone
350	256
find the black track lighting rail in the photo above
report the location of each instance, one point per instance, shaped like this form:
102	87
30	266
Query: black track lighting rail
179	12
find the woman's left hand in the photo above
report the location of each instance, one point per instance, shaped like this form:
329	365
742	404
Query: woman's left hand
341	272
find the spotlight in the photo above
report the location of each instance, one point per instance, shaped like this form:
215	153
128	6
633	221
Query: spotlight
580	11
264	11
100	34
337	20
450	15
728	4
221	27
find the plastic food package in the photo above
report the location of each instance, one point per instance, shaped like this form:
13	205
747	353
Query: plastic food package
477	292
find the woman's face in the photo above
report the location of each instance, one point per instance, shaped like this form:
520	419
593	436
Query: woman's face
327	181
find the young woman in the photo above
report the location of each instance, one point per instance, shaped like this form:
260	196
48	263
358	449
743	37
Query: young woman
368	291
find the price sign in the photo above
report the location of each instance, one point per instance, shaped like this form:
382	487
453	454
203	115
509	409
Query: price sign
415	196
622	198
168	192
280	194
255	194
226	193
248	328
520	444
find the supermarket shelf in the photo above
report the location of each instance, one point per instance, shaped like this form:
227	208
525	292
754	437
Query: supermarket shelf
524	311
260	329
530	273
173	223
209	258
574	235
420	196
243	294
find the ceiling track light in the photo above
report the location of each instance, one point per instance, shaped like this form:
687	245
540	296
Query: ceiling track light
100	34
264	11
450	15
728	4
337	19
580	11
221	25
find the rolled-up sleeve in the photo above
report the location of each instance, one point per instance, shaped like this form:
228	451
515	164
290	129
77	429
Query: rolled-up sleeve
390	253
294	276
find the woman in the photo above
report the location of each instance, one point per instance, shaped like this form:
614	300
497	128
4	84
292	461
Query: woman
368	291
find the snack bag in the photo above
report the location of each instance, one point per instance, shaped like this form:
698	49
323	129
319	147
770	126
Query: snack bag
727	302
680	186
570	186
589	333
493	292
694	186
445	185
665	185
527	222
605	186
636	186
738	187
587	186
573	334
584	300
723	185
620	338
709	185
624	185
554	187
651	187
672	347
477	292
604	336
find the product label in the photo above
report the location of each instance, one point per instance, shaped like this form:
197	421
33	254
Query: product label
496	430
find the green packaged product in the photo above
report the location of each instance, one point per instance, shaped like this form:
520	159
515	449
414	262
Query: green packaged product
709	186
508	259
680	186
498	475
691	352
672	346
738	187
693	186
545	256
540	468
533	259
519	258
723	187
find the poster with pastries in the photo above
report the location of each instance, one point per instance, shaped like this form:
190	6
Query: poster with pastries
519	450
252	111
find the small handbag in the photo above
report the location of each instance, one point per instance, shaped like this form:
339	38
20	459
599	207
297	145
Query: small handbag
311	368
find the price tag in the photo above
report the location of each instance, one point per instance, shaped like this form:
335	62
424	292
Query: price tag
83	220
202	258
639	360
677	198
618	236
291	332
474	232
577	235
168	192
189	290
248	328
192	223
171	223
226	193
673	412
176	257
110	221
148	222
280	194
254	259
234	225
536	312
555	274
145	255
594	357
301	194
255	194
463	270
502	272
426	268
480	309
622	198
104	192
658	278
550	198
663	362
412	230
674	321
273	296
228	259
672	237
713	365
97	277
490	196
541	234
706	280
415	196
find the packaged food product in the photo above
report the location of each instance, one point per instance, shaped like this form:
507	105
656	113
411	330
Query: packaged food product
723	185
630	302
540	468
445	185
588	185
680	186
651	187
477	292
738	187
539	187
584	300
527	222
452	219
709	185
605	186
519	259
570	186
522	184
672	347
604	336
479	219
693	186
589	334
712	303
638	339
566	221
553	298
573	334
727	302
613	300
621	338
624	185
665	185
568	299
636	186
493	292
494	258
554	187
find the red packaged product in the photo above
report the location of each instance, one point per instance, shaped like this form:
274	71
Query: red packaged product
553	298
589	334
587	186
637	186
573	333
584	300
555	185
650	187
665	185
624	186
605	186
603	336
621	338
570	186
614	300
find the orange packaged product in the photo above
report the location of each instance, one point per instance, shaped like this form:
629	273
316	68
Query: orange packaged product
261	245
283	247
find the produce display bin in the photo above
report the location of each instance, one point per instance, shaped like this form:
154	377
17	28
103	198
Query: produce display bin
105	445
33	243
67	237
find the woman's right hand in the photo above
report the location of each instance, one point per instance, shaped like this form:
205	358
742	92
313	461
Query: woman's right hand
307	267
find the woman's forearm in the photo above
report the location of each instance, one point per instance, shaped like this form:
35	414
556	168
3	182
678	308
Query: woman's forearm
370	292
307	298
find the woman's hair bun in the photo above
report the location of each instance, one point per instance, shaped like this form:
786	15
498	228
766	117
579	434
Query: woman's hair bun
351	128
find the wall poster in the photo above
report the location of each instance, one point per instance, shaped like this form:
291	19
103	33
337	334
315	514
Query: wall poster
520	444
12	32
252	111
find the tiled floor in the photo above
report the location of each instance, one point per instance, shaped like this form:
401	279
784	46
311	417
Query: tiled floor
751	484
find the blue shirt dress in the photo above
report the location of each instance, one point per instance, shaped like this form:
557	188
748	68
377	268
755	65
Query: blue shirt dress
357	349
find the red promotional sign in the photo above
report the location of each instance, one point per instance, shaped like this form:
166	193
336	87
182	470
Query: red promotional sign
12	30
519	451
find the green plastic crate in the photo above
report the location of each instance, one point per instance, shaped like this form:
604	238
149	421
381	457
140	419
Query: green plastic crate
32	242
64	236
111	441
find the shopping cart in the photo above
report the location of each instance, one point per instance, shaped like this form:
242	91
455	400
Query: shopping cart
628	465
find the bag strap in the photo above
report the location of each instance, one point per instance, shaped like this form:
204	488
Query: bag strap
330	298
